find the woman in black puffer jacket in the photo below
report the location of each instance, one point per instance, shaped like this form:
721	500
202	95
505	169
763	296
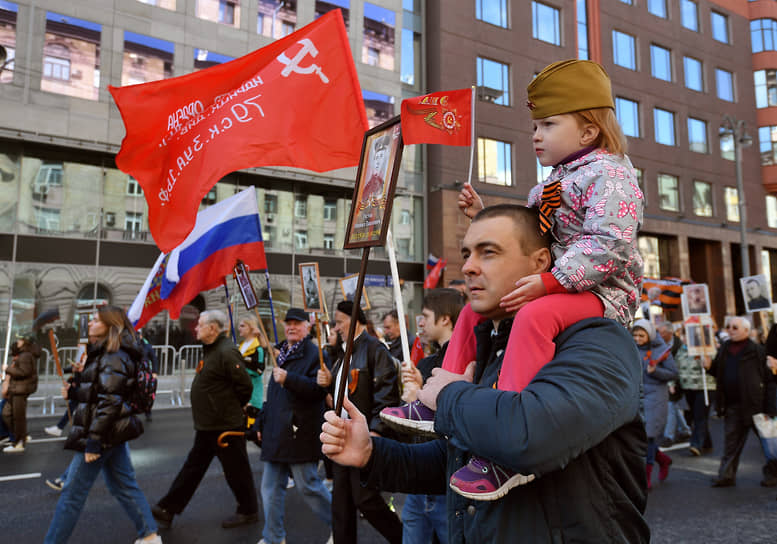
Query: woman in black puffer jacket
102	425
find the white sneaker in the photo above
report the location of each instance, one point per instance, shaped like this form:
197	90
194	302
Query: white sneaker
53	430
331	539
15	448
156	540
263	541
290	483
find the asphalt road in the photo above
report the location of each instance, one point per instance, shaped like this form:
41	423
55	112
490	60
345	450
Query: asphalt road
682	509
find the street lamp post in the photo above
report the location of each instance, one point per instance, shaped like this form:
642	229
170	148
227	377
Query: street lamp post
736	128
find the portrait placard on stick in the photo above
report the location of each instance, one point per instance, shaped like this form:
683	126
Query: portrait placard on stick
376	183
244	283
755	292
696	299
311	287
348	287
700	336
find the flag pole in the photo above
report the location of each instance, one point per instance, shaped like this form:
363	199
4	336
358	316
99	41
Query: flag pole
272	309
398	295
472	139
357	299
320	347
229	309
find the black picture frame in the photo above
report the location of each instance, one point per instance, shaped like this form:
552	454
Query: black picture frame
376	183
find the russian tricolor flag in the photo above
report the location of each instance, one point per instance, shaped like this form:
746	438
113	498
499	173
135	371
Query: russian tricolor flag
223	233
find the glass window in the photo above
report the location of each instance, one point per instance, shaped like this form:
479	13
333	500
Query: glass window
648	248
543	172
771	211
624	50
697	135
727	146
763	35
765	88
657	8
205	59
767	145
133	221
71	57
693	74
627	112
494	75
219	11
270	203
492	11
380	107
668	193
329	241
301	207
724	82
133	187
404	217
325	6
663	121
8	39
702	199
582	30
546	24
719	26
495	162
330	210
629	2
301	239
731	197
410	64
689	14
145	59
274	15
167	4
660	62
378	44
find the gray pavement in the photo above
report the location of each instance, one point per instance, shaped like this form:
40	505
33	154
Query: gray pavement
683	509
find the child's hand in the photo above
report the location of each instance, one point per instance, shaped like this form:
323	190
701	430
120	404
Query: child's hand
469	202
528	289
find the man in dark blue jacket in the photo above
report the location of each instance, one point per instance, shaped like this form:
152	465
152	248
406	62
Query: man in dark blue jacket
576	426
289	429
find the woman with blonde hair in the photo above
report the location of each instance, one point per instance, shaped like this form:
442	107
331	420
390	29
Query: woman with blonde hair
103	423
253	349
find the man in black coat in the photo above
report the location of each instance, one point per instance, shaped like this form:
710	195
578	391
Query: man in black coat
746	387
289	428
220	390
577	425
392	334
373	384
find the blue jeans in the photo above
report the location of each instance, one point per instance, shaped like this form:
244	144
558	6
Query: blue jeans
275	476
423	516
675	420
119	476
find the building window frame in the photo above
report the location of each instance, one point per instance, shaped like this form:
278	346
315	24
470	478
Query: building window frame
624	58
546	23
668	192
664	127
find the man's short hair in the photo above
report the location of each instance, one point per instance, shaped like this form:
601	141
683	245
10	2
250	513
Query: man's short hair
346	307
215	316
444	301
743	322
527	224
393	314
668	327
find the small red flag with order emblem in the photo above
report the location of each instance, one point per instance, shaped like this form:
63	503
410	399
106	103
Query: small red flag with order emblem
296	102
438	118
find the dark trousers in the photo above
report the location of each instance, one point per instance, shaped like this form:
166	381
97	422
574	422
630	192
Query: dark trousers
15	416
736	431
234	461
700	427
347	495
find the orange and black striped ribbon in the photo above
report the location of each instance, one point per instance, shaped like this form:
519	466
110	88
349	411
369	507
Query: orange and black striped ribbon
551	200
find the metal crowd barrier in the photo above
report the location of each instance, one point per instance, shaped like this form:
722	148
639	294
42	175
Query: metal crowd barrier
177	368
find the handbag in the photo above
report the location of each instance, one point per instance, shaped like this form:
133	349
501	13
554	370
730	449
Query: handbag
767	431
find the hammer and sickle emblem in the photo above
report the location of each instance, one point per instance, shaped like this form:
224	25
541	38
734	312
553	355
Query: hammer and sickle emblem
292	65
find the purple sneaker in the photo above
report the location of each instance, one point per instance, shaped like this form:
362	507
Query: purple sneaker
414	418
482	480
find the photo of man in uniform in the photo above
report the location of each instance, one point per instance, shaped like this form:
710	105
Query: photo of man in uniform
310	288
756	293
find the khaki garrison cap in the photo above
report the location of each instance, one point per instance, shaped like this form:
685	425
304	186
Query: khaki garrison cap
568	86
